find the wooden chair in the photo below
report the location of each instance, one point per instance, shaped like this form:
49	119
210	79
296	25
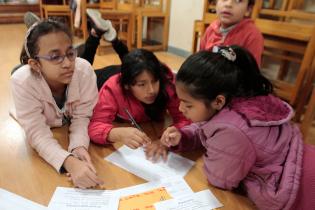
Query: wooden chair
108	4
209	15
155	12
287	10
199	30
270	9
309	115
122	22
291	43
63	9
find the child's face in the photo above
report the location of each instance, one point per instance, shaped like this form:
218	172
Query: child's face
193	109
52	45
231	12
146	87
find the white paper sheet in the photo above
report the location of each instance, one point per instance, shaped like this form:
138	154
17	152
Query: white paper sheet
11	201
203	200
135	162
77	199
176	186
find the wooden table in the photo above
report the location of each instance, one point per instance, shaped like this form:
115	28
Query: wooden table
23	172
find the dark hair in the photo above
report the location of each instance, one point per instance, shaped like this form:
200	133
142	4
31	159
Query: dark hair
35	32
208	74
138	61
250	2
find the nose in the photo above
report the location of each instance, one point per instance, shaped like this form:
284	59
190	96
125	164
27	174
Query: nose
181	107
150	88
66	62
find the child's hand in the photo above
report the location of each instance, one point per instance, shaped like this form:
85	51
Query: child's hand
171	137
81	174
82	154
130	136
155	150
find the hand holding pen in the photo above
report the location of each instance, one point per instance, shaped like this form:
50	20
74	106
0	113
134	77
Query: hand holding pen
146	139
131	137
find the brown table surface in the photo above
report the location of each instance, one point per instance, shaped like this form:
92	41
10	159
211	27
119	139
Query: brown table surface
25	173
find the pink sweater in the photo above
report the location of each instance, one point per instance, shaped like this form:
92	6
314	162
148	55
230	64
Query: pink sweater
244	34
37	110
251	144
112	103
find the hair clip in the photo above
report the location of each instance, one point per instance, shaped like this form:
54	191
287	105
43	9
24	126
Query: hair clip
227	53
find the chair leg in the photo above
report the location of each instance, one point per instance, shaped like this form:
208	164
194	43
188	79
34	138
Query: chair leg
309	115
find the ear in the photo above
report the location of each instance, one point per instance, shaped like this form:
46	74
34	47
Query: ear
219	102
35	65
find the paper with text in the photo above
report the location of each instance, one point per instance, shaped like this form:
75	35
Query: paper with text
135	162
143	201
77	199
10	201
203	200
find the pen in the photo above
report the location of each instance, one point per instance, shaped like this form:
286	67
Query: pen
132	120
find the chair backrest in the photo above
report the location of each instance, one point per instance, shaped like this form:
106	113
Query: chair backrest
309	115
152	5
108	4
285	10
128	5
270	9
293	46
209	12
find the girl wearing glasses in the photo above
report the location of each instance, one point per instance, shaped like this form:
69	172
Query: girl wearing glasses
51	89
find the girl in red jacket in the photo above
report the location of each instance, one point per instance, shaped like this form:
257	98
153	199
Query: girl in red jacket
145	88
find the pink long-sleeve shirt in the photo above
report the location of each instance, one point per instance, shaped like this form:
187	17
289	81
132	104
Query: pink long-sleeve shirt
252	144
37	111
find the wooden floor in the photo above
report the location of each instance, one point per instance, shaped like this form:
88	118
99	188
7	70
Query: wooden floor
11	41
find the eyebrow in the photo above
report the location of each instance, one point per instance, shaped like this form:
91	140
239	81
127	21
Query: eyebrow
57	50
183	100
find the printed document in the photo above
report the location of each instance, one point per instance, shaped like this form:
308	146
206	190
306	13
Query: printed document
135	162
9	201
203	200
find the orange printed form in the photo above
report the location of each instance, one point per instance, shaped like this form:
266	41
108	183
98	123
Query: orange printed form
143	201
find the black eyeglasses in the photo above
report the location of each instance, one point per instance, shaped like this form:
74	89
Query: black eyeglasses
58	59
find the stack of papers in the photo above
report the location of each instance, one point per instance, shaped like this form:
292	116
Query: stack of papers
134	161
167	190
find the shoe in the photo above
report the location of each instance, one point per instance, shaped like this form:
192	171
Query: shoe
111	34
30	18
98	24
102	27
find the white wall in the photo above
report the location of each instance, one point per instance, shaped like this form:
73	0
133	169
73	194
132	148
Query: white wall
182	16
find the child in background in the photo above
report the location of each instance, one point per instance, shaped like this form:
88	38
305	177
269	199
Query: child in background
233	28
51	89
251	145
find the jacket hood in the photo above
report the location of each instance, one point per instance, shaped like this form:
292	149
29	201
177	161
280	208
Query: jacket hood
263	110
